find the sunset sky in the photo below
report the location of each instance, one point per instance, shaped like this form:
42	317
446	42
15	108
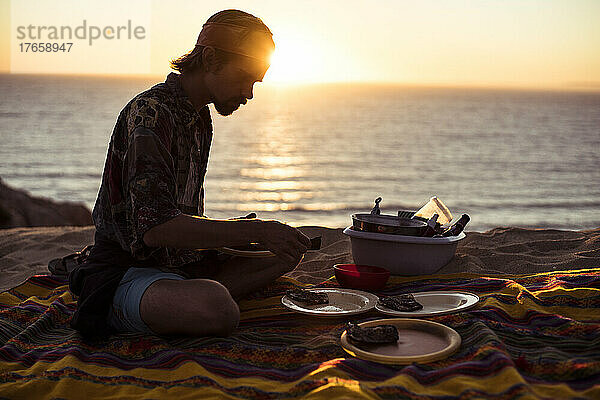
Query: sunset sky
545	43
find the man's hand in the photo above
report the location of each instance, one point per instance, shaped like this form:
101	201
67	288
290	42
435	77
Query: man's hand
286	242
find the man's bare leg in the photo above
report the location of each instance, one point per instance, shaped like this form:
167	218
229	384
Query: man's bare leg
204	307
194	307
242	275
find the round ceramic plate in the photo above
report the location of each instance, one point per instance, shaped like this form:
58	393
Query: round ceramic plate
419	341
342	302
247	253
436	303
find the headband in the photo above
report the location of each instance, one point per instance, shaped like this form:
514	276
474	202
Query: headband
237	39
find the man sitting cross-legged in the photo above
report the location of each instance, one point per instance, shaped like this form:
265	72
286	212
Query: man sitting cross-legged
145	272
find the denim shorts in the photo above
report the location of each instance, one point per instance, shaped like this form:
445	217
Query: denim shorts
124	314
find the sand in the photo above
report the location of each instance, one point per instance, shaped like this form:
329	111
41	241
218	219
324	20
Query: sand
26	251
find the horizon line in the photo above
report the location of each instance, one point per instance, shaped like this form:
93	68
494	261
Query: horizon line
566	86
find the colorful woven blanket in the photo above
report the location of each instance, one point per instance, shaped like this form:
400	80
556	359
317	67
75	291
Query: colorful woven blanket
532	336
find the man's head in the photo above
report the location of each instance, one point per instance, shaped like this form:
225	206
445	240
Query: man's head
231	54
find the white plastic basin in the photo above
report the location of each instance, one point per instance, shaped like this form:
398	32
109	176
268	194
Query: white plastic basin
402	255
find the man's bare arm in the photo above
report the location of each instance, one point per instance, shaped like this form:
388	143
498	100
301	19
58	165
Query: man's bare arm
192	232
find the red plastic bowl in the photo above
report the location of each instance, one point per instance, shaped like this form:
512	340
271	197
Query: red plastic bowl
364	277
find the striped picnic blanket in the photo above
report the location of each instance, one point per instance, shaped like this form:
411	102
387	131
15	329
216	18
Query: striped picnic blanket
532	336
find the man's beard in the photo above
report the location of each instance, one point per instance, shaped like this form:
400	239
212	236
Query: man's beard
228	107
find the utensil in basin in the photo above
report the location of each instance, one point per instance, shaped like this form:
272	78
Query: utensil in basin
390	224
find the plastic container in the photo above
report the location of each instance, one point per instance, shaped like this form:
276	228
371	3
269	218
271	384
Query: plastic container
402	255
363	277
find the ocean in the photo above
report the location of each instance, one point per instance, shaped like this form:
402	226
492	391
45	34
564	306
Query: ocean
315	154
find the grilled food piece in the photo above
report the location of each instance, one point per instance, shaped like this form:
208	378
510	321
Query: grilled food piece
308	297
380	334
402	302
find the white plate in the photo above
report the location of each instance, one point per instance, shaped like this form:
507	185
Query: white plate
436	303
246	253
342	302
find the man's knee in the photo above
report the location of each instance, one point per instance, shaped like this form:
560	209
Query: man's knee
222	314
198	307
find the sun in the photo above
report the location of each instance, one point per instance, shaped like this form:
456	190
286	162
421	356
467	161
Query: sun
293	61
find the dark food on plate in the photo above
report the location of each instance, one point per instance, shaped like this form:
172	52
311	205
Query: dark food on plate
308	297
373	335
402	302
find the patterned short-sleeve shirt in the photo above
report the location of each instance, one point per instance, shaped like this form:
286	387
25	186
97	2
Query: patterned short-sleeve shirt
154	171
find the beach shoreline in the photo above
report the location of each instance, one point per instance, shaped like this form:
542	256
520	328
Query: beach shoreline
25	251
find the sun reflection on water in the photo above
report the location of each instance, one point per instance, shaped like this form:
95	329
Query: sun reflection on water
291	207
278	160
276	185
275	168
273	173
276	196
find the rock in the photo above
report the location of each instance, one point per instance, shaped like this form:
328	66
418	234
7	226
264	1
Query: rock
19	208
